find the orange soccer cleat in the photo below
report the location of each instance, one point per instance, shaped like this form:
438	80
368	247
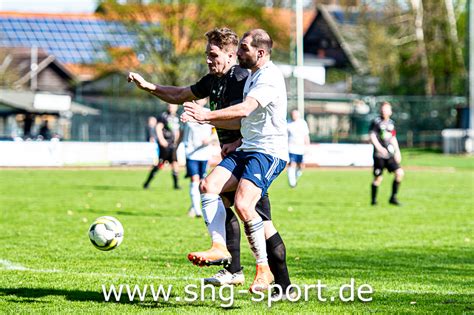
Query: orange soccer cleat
263	279
217	255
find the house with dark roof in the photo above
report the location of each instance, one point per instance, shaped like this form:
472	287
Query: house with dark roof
38	88
70	46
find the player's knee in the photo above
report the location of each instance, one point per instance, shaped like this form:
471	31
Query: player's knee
399	174
243	209
377	180
204	186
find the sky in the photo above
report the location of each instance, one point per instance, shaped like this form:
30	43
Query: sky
49	6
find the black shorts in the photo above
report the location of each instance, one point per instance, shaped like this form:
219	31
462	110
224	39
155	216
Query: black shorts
168	154
381	163
263	206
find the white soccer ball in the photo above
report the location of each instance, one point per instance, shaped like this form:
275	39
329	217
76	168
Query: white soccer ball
106	233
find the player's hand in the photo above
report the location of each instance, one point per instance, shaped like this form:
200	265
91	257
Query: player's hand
398	157
195	111
139	81
184	118
164	144
384	153
230	147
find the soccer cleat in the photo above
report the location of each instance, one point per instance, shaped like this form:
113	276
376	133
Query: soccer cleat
192	213
394	201
263	278
224	277
373	203
218	255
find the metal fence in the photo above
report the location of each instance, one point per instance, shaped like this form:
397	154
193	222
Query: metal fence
419	120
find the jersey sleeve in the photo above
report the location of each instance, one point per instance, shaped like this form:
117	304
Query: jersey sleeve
202	88
374	127
162	119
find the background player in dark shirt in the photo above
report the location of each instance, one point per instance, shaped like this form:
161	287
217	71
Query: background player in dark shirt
224	86
386	152
152	137
167	132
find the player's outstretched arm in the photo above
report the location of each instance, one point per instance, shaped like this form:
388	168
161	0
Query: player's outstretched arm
169	94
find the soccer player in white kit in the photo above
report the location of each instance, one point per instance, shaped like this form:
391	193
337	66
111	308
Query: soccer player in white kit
298	140
196	139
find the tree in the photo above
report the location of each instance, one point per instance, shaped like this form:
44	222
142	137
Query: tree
416	46
8	74
169	35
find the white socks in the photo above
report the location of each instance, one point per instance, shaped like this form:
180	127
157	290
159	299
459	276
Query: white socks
195	198
256	237
299	172
291	176
214	215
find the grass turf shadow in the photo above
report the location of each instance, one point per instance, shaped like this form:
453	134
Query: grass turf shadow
32	295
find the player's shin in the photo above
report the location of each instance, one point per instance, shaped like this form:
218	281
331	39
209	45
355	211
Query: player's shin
214	216
291	176
233	240
277	260
256	237
195	198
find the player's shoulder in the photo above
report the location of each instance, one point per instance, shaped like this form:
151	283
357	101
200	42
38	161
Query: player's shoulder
377	120
163	116
238	73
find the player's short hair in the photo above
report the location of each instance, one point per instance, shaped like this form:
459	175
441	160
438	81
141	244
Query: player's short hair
260	39
224	38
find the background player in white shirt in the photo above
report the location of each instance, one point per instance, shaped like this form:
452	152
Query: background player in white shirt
298	140
196	139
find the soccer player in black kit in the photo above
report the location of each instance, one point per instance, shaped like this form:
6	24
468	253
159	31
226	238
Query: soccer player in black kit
224	86
167	134
386	152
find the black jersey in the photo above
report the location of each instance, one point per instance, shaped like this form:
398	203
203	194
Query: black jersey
150	132
171	126
223	92
384	131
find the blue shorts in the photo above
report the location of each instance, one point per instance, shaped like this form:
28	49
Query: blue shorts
297	158
194	167
259	168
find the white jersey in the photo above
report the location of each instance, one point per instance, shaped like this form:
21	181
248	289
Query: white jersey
193	137
297	132
264	130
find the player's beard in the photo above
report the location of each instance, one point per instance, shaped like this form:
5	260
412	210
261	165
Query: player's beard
247	63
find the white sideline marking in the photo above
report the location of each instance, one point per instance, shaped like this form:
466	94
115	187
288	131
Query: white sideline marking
416	292
11	266
8	265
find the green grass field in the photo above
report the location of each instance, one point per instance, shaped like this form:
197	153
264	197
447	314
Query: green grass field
417	258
